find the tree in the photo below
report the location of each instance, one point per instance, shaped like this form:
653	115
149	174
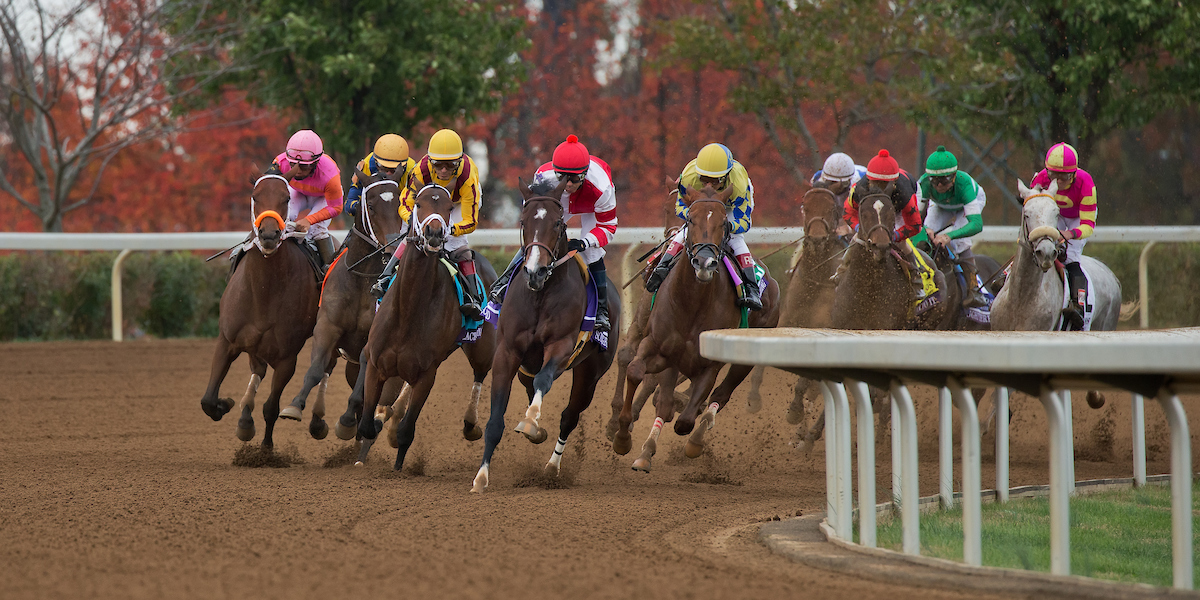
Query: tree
79	84
356	69
1045	71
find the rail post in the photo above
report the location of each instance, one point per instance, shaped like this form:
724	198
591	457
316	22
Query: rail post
118	317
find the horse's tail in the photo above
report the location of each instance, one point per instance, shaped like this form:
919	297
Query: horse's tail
1128	309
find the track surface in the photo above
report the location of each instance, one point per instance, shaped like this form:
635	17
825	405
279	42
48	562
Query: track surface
113	483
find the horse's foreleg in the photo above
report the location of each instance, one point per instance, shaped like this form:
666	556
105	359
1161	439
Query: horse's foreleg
368	428
664	403
348	422
223	356
481	364
708	418
408	425
584	378
701	387
504	368
245	426
391	407
754	398
541	386
279	379
622	439
324	340
624	355
796	411
317	427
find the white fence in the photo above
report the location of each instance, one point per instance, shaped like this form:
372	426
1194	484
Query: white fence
635	237
1161	364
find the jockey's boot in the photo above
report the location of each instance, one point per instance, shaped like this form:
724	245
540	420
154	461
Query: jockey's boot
663	268
600	276
972	297
500	286
914	269
326	249
750	299
1077	296
385	277
472	298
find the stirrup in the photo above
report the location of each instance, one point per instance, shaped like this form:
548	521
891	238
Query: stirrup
471	310
602	323
974	300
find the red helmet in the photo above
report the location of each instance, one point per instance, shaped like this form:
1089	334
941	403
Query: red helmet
883	167
571	156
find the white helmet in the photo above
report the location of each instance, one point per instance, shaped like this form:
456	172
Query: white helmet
838	167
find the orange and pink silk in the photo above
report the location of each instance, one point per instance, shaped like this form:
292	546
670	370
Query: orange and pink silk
325	181
1075	202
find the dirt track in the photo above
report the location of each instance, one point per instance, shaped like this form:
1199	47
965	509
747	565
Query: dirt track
114	484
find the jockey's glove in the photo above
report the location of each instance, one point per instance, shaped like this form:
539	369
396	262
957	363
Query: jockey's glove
576	245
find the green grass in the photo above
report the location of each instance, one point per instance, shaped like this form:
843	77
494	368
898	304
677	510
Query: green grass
1122	535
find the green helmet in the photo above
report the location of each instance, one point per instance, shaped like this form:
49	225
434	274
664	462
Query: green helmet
941	162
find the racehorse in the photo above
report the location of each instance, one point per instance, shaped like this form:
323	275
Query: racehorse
347	306
1032	296
875	291
418	326
688	303
810	291
268	310
539	332
956	318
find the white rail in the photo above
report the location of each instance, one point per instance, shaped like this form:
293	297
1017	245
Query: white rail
1161	364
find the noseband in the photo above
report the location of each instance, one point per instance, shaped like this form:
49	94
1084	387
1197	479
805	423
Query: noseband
818	219
257	218
1037	234
555	261
861	238
366	212
695	248
417	226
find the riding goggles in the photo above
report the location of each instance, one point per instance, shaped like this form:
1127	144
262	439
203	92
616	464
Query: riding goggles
571	177
438	165
304	157
941	179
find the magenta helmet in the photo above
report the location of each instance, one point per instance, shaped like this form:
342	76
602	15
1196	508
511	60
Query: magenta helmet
304	147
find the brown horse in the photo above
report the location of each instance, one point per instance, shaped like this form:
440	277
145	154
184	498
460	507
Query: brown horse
347	306
955	317
268	311
810	291
688	303
539	333
418	326
875	291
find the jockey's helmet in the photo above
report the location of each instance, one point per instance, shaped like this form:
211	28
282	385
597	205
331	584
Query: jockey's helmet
1062	158
941	163
571	156
304	147
883	167
714	160
390	150
838	167
445	145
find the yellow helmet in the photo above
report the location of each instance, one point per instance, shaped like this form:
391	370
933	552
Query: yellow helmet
390	150
714	160
445	145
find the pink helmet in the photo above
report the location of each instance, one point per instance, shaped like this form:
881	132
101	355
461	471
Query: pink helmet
304	147
1062	158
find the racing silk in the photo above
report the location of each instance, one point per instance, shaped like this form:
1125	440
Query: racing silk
1075	202
859	172
464	191
966	196
596	196
904	203
325	182
370	166
740	204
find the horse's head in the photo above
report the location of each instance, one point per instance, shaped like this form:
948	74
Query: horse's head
543	232
431	218
706	228
876	223
379	216
820	214
269	205
1039	223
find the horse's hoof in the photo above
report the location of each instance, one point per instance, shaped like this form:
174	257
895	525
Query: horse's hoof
1095	399
541	436
393	441
532	431
215	409
641	464
551	470
245	433
378	426
480	484
291	413
692	450
793	416
359	463
345	432
318	429
472	431
622	443
754	403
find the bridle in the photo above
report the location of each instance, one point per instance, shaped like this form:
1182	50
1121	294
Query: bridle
694	249
555	260
257	219
1037	234
416	230
862	237
386	197
808	221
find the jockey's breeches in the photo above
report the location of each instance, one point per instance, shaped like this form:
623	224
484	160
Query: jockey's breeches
1074	247
313	204
938	218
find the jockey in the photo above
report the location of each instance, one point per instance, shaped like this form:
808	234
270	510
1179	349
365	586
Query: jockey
446	165
391	153
714	165
838	175
885	176
1076	198
590	194
954	200
316	187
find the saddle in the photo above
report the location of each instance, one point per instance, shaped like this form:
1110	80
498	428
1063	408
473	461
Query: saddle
587	332
310	252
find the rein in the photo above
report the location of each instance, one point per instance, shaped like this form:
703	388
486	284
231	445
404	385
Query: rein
417	226
554	260
695	248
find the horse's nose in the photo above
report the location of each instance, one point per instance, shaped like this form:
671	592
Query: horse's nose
704	263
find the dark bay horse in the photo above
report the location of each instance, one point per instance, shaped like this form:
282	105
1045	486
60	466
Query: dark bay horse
267	311
691	301
347	306
955	318
539	332
418	327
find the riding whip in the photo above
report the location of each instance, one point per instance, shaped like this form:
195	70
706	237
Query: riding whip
224	251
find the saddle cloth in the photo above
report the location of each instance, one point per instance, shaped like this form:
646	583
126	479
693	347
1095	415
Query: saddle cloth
933	295
979	314
471	330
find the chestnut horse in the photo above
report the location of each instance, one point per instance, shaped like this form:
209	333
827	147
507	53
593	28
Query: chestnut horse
418	327
347	306
268	310
539	331
690	302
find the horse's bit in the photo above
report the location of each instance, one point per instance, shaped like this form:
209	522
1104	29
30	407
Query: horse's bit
257	219
695	248
555	261
1059	243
